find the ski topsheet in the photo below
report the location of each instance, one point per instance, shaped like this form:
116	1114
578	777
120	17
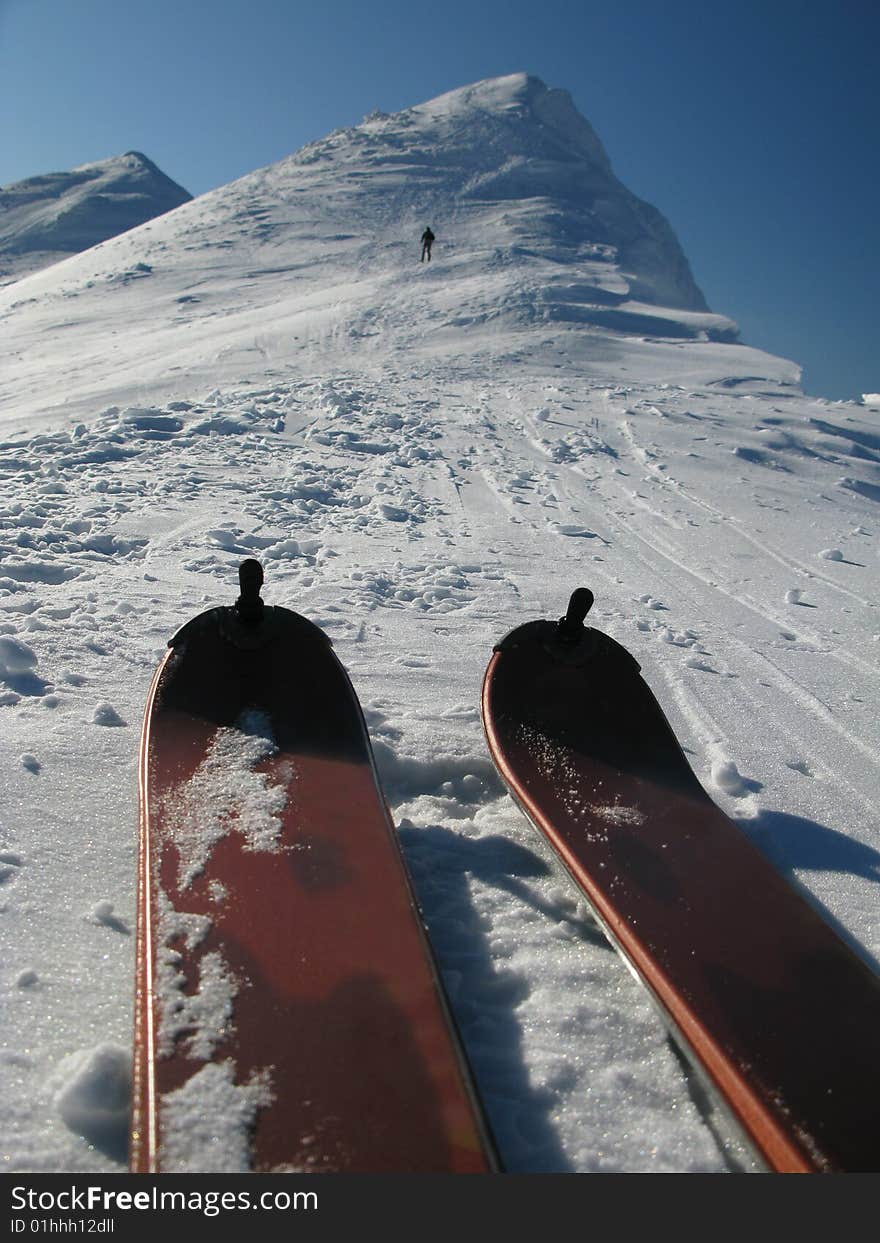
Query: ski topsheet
775	1008
288	1013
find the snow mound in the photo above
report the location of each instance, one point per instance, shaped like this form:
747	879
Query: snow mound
727	777
15	656
106	714
95	1097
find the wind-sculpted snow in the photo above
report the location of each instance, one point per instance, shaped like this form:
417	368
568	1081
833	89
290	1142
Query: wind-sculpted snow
417	487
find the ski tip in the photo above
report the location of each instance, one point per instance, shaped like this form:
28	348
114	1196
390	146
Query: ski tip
572	624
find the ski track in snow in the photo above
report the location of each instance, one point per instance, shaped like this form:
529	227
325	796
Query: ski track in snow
419	468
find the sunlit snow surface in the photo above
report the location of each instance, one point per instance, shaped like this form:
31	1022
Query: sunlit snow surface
422	456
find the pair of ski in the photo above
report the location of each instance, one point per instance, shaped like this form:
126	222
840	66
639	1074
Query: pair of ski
289	1014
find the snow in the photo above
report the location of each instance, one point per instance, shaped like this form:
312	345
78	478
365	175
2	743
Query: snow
95	1093
226	793
422	456
207	1121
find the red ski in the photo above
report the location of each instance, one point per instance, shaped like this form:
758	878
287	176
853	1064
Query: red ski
289	1015
781	1015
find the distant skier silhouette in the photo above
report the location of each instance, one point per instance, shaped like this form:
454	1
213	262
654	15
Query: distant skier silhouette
427	239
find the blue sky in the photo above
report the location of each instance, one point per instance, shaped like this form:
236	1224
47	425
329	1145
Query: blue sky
752	126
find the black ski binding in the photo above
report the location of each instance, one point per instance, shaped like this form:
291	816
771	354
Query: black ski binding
570	628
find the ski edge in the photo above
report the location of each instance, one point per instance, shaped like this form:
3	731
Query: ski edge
143	1136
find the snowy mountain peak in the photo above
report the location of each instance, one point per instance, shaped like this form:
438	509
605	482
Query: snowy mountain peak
45	218
536	237
518	98
129	164
512	163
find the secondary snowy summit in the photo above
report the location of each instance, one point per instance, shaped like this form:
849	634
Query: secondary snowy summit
46	218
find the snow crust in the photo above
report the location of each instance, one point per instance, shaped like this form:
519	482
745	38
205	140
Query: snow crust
422	456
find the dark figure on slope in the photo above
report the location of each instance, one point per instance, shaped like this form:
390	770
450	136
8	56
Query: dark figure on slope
427	239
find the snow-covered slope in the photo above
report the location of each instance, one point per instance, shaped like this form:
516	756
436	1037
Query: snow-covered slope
45	218
315	254
422	456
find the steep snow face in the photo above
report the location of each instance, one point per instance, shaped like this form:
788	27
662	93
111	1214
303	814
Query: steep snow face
512	141
45	218
510	163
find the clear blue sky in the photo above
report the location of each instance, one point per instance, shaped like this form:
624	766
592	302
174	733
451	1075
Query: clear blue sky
752	125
